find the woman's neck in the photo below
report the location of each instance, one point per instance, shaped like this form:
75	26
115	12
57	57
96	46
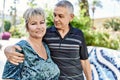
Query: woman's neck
35	40
39	48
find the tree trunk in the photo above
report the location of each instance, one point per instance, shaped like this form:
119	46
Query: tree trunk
84	6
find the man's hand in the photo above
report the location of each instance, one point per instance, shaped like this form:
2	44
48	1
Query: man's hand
13	56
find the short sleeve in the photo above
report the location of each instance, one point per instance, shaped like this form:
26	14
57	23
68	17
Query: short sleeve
83	48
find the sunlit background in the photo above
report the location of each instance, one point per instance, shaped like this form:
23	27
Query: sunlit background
98	19
110	7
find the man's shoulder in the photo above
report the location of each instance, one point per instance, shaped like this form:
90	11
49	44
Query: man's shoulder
77	31
50	29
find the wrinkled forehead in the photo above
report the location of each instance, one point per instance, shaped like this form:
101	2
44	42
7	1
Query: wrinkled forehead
61	10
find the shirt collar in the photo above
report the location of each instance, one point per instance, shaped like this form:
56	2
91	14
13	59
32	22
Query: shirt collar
70	31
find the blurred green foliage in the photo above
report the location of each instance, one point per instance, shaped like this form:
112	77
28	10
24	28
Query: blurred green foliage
15	32
49	18
112	23
92	36
7	25
18	31
102	39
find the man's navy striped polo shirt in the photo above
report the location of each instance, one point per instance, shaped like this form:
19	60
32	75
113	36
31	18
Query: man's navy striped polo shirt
67	52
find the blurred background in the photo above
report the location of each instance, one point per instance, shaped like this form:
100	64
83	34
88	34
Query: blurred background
98	19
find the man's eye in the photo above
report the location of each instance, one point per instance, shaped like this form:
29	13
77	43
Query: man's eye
54	15
60	16
42	22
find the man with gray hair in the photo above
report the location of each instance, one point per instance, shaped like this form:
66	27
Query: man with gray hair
66	43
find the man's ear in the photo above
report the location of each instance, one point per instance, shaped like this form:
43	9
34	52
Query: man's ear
72	16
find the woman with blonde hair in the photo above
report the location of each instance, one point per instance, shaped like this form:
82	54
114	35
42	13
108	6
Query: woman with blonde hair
37	64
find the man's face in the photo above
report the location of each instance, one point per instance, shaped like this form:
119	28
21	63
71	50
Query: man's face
62	17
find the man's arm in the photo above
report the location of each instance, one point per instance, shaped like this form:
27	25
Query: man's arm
87	69
13	56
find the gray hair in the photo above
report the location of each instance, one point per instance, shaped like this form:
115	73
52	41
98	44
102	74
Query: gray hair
66	4
31	12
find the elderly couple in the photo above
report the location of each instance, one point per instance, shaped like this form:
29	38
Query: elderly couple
56	53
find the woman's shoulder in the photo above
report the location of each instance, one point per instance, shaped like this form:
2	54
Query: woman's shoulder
22	43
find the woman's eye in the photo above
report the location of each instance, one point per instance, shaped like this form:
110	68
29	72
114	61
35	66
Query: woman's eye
33	23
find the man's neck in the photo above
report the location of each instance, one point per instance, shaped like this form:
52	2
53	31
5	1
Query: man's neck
63	32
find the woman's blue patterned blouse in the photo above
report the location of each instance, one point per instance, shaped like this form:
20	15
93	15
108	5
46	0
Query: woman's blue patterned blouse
33	68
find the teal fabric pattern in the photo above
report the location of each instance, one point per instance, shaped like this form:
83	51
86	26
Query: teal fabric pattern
33	68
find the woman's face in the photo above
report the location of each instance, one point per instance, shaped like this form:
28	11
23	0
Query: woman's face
36	26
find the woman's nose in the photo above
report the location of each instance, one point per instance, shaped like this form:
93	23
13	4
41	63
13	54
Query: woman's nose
38	25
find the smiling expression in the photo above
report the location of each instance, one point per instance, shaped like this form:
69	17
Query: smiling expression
36	26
